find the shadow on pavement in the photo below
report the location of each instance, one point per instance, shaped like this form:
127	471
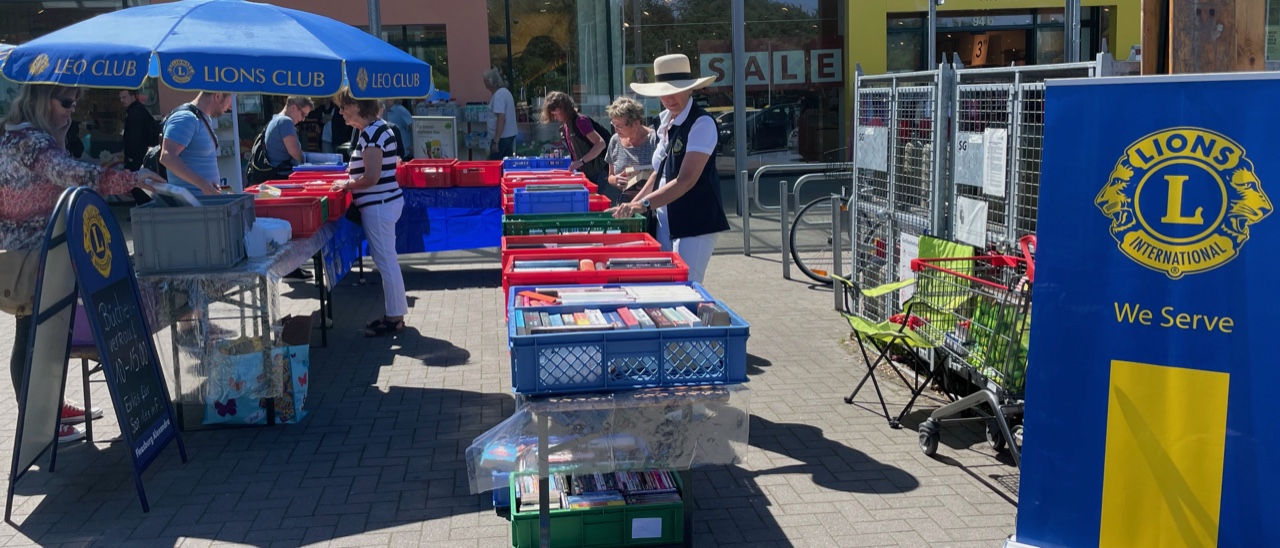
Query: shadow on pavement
373	454
832	465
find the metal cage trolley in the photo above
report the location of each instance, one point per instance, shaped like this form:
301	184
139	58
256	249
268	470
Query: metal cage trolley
979	312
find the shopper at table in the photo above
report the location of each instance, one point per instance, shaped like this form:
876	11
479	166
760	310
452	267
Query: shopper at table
34	170
630	152
399	116
502	116
284	150
189	148
586	144
684	189
376	195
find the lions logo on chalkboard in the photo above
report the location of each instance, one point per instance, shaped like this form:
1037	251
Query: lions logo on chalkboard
97	241
1181	200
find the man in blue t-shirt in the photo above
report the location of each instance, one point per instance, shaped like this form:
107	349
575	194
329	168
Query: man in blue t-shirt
283	147
189	150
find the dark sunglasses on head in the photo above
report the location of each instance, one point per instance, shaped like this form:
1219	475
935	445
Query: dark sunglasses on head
66	103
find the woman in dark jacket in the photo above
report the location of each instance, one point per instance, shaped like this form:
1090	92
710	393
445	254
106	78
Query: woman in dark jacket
684	189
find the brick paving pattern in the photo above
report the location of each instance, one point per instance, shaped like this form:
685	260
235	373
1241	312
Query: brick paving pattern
379	462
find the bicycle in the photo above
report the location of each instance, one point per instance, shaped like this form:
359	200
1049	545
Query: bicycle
812	242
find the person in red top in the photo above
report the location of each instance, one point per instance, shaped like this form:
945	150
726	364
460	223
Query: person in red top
34	170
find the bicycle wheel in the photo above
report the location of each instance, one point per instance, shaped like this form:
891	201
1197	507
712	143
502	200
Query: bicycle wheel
812	241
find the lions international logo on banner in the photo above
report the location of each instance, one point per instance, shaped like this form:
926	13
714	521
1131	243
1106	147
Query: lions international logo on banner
181	71
1181	200
97	241
362	79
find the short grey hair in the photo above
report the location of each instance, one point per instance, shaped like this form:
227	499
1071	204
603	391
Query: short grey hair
493	78
626	108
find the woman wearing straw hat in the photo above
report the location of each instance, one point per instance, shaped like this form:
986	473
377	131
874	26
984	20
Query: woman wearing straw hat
684	189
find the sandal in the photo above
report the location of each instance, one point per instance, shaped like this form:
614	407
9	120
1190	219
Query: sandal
382	326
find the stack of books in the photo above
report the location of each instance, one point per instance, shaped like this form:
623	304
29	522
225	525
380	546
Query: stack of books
531	322
597	490
600	294
570	265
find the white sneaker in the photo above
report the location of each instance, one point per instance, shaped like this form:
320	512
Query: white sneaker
68	433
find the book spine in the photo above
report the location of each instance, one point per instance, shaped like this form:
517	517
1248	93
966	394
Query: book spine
597	317
627	318
544	319
556	320
694	320
671	315
645	321
519	319
568	319
580	318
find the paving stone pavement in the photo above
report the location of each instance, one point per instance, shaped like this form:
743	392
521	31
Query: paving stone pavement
379	462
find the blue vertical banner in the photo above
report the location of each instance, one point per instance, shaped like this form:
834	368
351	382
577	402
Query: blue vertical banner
1152	353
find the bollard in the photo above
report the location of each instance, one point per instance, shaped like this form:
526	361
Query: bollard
837	249
784	214
744	209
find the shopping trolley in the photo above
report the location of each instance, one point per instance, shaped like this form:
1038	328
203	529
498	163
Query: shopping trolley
983	328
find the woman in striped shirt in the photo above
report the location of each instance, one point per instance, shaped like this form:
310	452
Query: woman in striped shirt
376	194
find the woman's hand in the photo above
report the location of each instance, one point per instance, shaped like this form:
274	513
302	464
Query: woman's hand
144	177
575	165
341	186
626	211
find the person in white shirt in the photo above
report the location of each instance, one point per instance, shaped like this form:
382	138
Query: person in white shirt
398	115
684	190
502	118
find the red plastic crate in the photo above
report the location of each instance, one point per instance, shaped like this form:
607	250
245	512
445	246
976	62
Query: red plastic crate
481	173
509	187
430	173
678	273
304	213
339	200
596	202
625	242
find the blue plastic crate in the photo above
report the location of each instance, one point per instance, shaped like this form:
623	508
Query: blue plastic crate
501	490
551	201
625	359
519	163
548	163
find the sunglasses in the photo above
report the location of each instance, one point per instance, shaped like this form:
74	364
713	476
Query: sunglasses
66	103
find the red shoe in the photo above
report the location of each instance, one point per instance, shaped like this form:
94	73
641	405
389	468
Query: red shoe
68	433
73	413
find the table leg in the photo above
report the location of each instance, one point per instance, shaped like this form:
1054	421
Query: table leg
325	300
686	494
544	495
264	312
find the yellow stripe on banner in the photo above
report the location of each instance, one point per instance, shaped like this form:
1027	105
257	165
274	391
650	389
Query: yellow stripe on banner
1166	436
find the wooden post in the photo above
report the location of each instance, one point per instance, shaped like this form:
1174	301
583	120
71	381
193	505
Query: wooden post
1203	36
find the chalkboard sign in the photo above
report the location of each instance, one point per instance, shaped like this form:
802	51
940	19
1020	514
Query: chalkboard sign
127	357
109	291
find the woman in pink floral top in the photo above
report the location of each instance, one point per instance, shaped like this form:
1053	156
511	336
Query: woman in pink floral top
34	170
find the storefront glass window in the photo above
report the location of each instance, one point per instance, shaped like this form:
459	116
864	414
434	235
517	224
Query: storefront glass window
794	70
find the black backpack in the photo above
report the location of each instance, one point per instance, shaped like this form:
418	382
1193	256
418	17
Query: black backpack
151	160
260	169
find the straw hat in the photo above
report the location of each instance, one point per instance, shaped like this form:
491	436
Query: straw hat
673	76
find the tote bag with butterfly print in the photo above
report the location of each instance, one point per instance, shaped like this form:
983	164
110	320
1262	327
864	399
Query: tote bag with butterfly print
239	387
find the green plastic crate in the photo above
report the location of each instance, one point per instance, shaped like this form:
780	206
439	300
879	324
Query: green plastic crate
569	223
602	526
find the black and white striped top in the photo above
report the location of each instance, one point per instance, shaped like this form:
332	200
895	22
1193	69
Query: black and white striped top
377	135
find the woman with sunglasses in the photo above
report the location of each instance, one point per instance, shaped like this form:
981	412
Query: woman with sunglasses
34	170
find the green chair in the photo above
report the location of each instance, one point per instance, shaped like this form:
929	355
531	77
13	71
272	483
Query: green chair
928	309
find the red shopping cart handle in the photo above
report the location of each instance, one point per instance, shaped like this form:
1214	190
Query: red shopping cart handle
1028	245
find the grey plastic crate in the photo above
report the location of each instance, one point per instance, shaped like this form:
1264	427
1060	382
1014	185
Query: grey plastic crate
176	239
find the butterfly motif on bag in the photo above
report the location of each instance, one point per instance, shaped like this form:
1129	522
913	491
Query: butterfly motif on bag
303	379
225	409
236	385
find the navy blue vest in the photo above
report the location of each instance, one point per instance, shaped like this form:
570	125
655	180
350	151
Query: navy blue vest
701	210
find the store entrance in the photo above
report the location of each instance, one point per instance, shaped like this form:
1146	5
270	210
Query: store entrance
999	48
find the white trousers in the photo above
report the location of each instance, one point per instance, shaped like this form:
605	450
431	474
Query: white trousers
695	251
380	229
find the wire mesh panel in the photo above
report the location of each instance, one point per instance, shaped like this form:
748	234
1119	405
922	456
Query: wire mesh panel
981	148
912	147
1030	145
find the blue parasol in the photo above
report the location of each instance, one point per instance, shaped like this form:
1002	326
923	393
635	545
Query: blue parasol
227	46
